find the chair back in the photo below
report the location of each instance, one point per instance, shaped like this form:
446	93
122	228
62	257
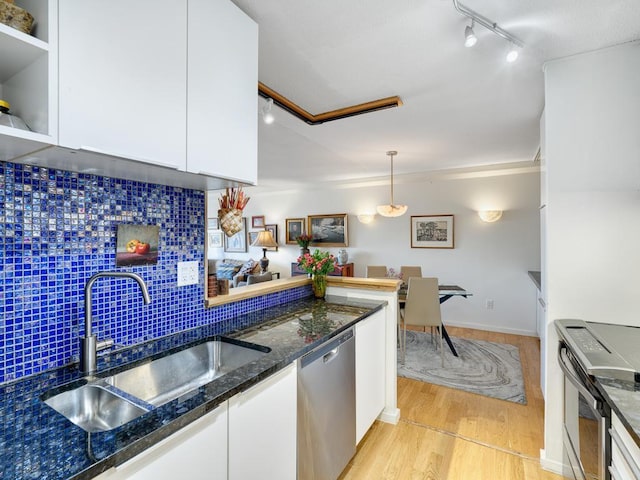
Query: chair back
376	271
408	272
422	307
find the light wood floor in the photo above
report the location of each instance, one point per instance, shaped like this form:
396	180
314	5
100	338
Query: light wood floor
445	433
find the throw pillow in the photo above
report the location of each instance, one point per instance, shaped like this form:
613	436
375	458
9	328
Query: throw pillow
247	267
226	271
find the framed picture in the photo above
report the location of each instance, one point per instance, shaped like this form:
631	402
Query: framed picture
237	242
214	238
431	231
328	230
257	222
273	228
294	227
137	245
252	237
213	223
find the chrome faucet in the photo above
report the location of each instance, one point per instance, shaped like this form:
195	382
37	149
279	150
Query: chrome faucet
88	344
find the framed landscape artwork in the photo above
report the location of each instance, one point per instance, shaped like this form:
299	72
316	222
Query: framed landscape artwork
215	238
294	227
328	230
252	237
431	231
237	242
257	222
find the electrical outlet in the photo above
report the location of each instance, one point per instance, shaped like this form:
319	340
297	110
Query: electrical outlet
489	304
187	273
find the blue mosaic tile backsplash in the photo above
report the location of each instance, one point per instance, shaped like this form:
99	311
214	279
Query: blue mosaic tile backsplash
58	228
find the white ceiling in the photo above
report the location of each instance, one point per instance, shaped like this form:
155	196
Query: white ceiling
463	107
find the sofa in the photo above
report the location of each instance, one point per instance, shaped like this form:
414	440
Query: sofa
238	272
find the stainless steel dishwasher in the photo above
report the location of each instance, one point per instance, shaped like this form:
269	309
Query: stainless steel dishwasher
327	409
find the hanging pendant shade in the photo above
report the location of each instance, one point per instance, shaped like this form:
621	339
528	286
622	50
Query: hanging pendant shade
392	210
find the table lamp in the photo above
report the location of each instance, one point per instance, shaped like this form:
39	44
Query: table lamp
264	240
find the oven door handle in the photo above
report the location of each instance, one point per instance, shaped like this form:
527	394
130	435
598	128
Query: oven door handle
564	362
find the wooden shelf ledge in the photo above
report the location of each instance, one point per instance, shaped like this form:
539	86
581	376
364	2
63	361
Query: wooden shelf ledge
274	286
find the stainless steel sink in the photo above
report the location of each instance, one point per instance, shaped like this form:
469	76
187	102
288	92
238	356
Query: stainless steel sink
94	409
101	405
167	378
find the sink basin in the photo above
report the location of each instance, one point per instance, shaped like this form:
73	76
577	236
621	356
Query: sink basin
101	405
167	378
94	409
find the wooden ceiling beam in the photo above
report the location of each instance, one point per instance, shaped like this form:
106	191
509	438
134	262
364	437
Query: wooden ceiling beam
311	119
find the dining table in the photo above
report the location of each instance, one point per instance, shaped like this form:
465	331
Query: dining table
446	292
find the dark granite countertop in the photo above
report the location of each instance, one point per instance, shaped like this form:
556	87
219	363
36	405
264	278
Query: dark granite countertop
37	442
624	398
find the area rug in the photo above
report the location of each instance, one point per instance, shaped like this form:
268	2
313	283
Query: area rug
485	368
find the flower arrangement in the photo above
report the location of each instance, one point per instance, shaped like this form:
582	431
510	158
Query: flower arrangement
304	240
318	263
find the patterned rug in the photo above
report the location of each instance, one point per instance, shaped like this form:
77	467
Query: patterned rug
485	368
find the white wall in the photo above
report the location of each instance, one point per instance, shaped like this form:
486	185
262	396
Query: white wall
489	260
593	207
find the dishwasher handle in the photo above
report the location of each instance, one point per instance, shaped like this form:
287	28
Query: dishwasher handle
327	351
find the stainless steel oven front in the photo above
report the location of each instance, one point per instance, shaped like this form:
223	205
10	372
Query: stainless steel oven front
587	418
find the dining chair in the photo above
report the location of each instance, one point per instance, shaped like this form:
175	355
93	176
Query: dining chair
376	271
422	309
410	271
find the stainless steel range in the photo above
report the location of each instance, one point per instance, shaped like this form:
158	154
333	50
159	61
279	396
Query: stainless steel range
588	350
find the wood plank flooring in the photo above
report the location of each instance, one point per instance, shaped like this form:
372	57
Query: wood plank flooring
449	434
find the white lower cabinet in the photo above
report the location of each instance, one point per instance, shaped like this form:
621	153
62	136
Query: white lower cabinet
262	429
625	454
198	451
370	371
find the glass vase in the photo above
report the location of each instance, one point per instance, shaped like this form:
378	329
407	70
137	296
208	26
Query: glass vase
319	286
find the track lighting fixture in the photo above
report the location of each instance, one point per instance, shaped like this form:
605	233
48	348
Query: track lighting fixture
470	38
267	116
512	54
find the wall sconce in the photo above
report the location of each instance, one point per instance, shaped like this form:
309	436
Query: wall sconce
366	217
490	216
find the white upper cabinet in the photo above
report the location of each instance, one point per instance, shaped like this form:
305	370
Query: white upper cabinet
28	80
123	79
222	108
164	82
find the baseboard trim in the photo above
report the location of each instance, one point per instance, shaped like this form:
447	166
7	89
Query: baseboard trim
552	466
492	328
390	415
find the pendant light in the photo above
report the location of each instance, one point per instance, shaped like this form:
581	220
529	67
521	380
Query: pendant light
391	210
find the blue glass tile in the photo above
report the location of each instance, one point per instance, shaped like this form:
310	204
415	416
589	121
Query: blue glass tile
58	228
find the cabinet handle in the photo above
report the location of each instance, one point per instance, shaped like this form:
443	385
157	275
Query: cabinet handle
129	157
541	302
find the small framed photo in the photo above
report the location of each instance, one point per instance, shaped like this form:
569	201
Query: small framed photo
432	231
273	228
257	222
213	224
294	228
328	230
215	238
238	241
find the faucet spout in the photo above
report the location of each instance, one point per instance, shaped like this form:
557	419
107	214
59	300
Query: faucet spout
88	343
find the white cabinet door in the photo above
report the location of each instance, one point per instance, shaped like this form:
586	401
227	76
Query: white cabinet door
197	452
262	429
123	78
370	373
222	133
625	454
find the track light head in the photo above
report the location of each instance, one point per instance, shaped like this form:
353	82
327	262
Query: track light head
470	38
267	116
512	54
